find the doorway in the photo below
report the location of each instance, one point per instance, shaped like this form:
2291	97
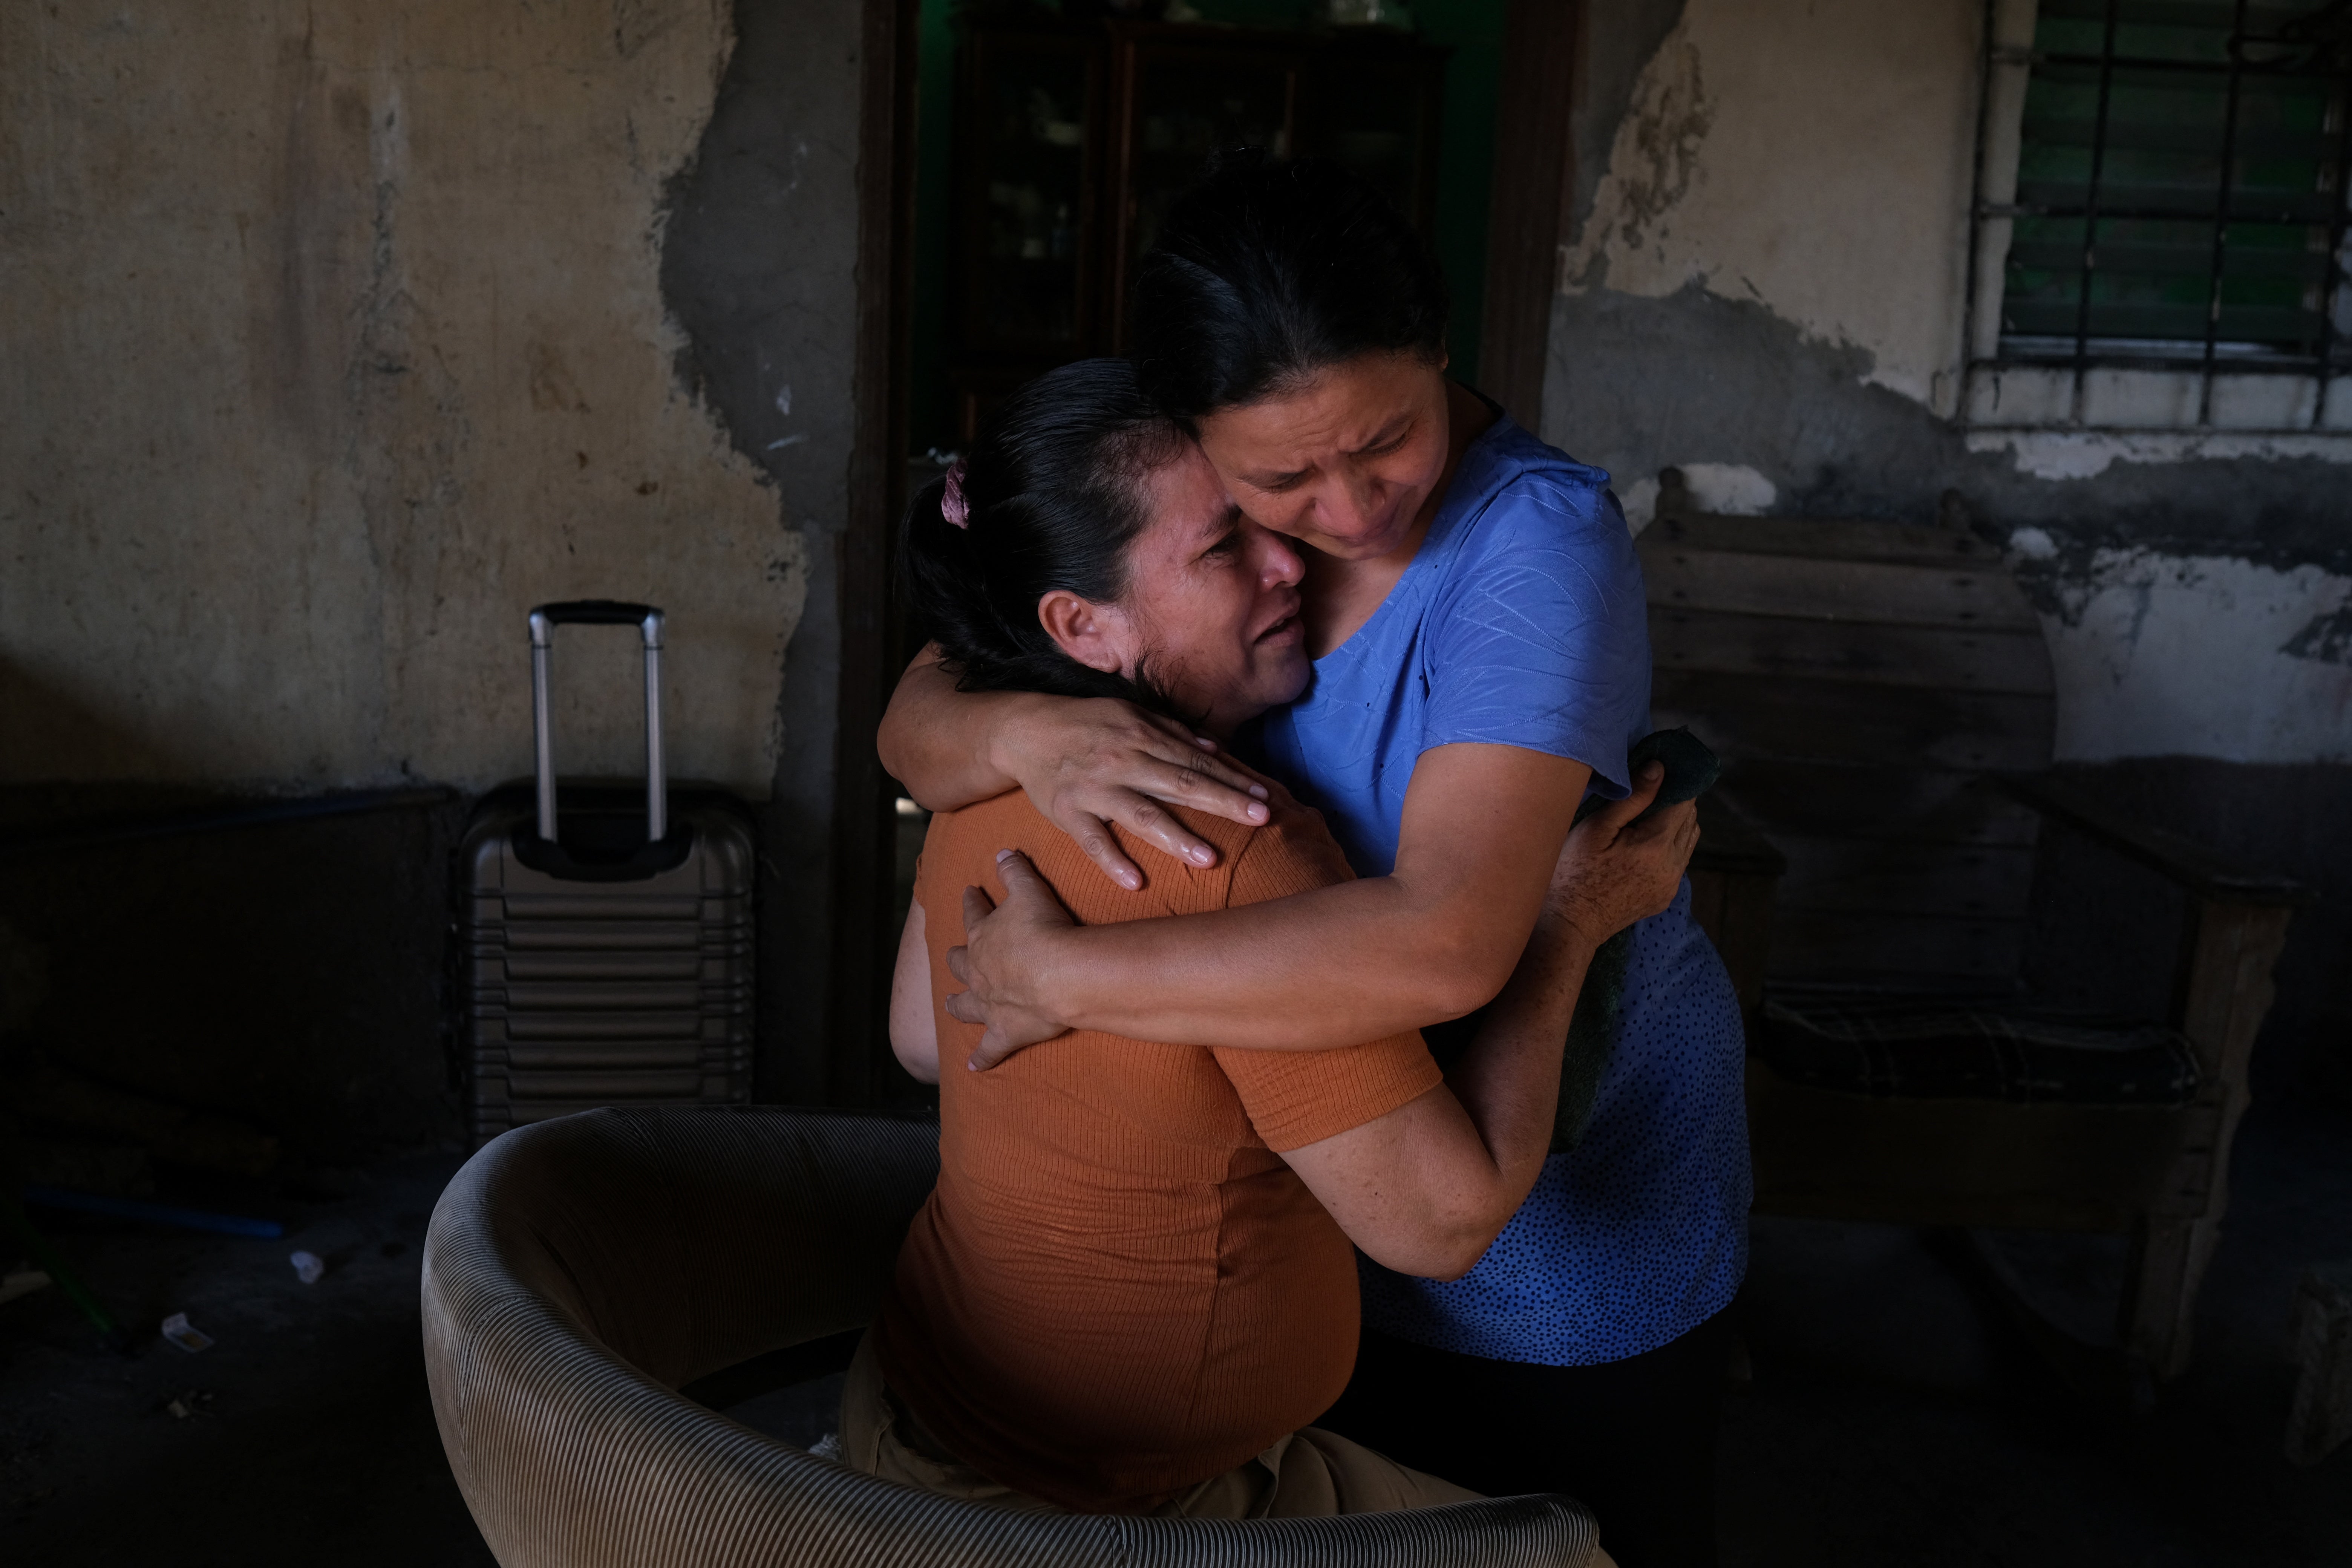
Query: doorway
1014	158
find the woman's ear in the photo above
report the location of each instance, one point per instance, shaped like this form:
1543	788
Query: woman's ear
1095	635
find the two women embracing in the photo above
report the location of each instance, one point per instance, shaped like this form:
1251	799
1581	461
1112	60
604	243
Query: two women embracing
1269	669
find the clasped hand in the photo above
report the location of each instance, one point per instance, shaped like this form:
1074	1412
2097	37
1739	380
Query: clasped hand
1614	870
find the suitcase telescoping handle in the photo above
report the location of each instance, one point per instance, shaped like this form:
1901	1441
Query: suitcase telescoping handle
597	613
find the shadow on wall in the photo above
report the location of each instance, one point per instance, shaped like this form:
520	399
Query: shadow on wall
48	730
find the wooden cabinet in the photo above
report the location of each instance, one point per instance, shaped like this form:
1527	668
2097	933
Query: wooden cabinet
1030	171
1072	141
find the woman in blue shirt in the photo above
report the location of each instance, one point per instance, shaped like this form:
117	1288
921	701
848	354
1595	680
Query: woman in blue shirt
1478	625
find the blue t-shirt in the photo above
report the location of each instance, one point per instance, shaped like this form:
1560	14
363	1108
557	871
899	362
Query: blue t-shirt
1521	621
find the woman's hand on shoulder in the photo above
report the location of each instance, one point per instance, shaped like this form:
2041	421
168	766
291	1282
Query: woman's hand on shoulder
1005	959
1088	763
1613	870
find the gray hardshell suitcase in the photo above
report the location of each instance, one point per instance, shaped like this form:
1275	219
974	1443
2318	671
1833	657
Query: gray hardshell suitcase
605	938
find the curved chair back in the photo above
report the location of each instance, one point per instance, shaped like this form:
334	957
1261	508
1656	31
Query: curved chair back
578	1272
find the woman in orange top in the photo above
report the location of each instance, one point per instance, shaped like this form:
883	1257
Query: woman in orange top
1133	1285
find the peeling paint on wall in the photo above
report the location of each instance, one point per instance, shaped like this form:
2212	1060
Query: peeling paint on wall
1729	489
1734	490
1777	314
1788	303
759	268
333	340
2158	654
2085	455
1751	127
1652	167
2325	637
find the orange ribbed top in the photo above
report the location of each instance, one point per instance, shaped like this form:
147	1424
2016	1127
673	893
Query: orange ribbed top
1118	1290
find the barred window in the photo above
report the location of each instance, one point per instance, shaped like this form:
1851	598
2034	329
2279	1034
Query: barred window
2178	200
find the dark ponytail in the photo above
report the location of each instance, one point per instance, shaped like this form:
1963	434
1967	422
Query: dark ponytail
1055	497
1270	270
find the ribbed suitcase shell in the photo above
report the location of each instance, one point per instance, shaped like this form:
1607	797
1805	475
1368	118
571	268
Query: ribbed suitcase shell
576	994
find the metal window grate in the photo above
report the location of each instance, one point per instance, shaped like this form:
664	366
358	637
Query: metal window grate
2181	193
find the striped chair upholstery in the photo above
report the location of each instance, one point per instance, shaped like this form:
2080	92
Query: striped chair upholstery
580	1270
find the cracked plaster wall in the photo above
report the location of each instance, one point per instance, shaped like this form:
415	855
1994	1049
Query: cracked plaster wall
331	338
1763	284
334	338
759	265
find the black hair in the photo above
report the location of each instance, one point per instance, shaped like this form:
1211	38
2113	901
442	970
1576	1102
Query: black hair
1055	497
1270	270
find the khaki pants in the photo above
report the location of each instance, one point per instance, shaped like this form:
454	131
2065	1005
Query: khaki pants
1310	1474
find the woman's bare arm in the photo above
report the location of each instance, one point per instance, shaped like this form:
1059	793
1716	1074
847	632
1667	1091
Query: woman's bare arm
1426	1188
1359	961
914	1027
1086	762
940	742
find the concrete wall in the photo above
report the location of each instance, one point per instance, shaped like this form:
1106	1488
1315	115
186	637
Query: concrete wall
759	270
331	338
1764	284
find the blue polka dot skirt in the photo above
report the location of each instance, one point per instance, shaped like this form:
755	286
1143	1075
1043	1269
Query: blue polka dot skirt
1639	1234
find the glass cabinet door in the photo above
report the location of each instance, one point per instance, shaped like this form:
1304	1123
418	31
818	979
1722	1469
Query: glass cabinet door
1073	140
1182	105
1029	213
1375	112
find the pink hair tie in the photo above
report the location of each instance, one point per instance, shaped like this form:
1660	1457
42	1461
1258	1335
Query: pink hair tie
952	506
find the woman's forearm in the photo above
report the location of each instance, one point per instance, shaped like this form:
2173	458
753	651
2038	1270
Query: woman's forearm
1318	971
1509	1081
1612	873
1425	1189
936	741
1337	965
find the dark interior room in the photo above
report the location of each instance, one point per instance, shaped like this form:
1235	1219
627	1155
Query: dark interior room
408	406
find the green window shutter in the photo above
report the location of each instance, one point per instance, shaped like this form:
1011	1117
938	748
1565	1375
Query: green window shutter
2180	184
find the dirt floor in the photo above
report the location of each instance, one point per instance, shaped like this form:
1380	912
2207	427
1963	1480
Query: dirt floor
1890	1420
1894	1420
309	1436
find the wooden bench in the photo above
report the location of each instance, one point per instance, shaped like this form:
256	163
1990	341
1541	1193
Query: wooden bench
1882	696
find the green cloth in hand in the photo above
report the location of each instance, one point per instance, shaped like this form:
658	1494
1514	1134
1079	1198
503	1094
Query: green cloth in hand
1691	770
